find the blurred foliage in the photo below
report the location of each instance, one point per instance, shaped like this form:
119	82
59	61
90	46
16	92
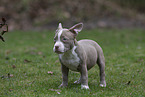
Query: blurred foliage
24	14
138	5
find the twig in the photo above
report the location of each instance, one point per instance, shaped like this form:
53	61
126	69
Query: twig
5	30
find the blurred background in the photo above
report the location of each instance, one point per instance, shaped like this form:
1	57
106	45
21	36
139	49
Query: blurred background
46	14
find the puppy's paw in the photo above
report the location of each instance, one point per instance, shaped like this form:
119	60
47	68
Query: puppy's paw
84	87
103	84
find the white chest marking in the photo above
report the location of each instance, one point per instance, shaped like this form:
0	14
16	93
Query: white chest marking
70	59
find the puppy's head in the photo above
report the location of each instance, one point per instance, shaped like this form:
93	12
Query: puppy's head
64	38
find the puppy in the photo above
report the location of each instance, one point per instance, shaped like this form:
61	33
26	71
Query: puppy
79	56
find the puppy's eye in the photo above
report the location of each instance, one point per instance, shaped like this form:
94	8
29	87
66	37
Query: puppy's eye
64	39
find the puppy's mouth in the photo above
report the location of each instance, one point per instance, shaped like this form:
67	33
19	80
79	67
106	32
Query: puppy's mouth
61	52
58	52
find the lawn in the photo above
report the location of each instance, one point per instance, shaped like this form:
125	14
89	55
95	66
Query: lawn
26	58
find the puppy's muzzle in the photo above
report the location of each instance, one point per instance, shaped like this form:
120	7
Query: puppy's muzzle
57	50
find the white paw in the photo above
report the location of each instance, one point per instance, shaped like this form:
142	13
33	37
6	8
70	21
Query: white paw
103	85
84	87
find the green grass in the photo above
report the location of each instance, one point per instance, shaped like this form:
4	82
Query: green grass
28	56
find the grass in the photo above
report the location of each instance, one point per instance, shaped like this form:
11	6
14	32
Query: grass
26	58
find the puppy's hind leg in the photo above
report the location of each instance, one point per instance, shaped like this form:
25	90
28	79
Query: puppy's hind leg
101	64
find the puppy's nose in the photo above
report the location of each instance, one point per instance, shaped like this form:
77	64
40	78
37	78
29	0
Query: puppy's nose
56	47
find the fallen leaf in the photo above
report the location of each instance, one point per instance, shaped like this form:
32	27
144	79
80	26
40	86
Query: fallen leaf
10	75
8	52
2	76
56	61
50	72
14	59
26	61
140	60
33	53
31	82
52	90
44	56
4	27
10	90
141	71
39	53
128	82
13	66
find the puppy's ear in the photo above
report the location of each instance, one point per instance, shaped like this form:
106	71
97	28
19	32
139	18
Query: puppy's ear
59	26
76	28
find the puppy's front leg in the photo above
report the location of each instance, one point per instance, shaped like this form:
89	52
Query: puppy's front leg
84	77
65	71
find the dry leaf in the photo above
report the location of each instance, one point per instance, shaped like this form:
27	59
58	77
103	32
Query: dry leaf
8	52
50	72
4	28
13	66
10	90
2	76
10	75
56	61
128	82
39	53
26	61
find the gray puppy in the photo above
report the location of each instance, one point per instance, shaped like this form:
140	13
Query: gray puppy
78	56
